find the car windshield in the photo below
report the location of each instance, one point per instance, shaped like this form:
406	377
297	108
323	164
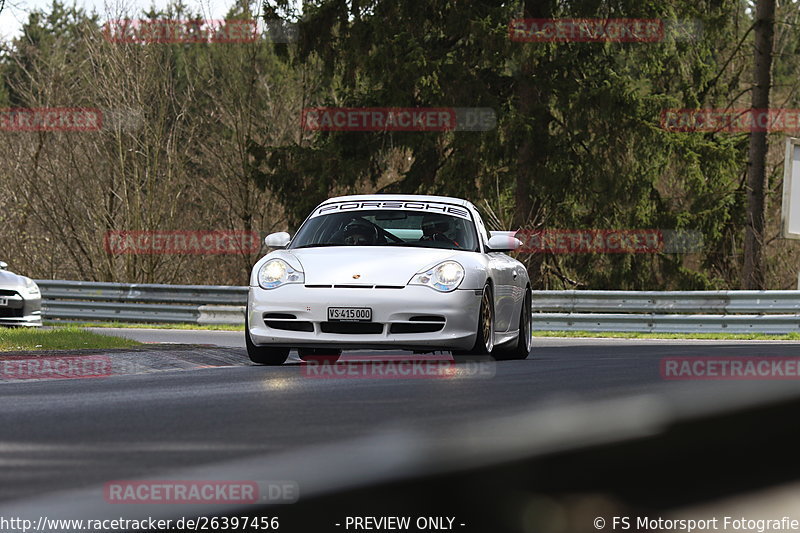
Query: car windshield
388	228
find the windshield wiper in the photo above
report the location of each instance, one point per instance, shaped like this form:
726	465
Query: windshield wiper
422	244
318	245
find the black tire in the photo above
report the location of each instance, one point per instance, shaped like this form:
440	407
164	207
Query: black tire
326	355
521	348
263	355
484	340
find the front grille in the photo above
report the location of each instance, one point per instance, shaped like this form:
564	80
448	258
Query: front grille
8	292
6	312
352	328
415	328
426	318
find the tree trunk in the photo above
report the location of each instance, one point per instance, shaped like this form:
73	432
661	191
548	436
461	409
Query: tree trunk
532	105
754	269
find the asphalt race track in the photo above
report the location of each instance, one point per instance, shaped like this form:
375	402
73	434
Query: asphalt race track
230	339
189	406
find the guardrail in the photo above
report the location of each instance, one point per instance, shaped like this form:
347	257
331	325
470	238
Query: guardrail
770	312
124	302
773	312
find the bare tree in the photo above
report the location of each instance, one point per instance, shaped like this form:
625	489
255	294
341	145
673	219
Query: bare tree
172	154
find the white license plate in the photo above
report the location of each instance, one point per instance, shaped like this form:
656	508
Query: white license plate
3	302
355	314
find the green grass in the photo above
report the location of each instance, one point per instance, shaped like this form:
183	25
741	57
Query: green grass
130	325
60	338
701	336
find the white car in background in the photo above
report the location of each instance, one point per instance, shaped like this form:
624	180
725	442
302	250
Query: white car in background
20	300
389	272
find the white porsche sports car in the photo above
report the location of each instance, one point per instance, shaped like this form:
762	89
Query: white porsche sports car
407	272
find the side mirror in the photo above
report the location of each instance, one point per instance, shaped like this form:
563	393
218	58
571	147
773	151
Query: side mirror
278	240
502	233
504	243
3	265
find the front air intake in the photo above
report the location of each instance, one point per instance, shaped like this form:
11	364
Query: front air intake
352	328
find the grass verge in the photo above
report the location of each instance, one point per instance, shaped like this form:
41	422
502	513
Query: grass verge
700	336
59	338
131	325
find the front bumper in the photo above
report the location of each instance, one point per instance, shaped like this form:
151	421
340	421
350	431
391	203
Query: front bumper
20	311
411	317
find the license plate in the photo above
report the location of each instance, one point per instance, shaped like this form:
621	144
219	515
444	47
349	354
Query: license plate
3	302
351	314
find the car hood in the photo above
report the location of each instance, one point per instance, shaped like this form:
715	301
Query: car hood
9	280
374	265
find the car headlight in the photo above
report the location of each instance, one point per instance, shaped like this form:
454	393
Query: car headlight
31	286
444	277
277	272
